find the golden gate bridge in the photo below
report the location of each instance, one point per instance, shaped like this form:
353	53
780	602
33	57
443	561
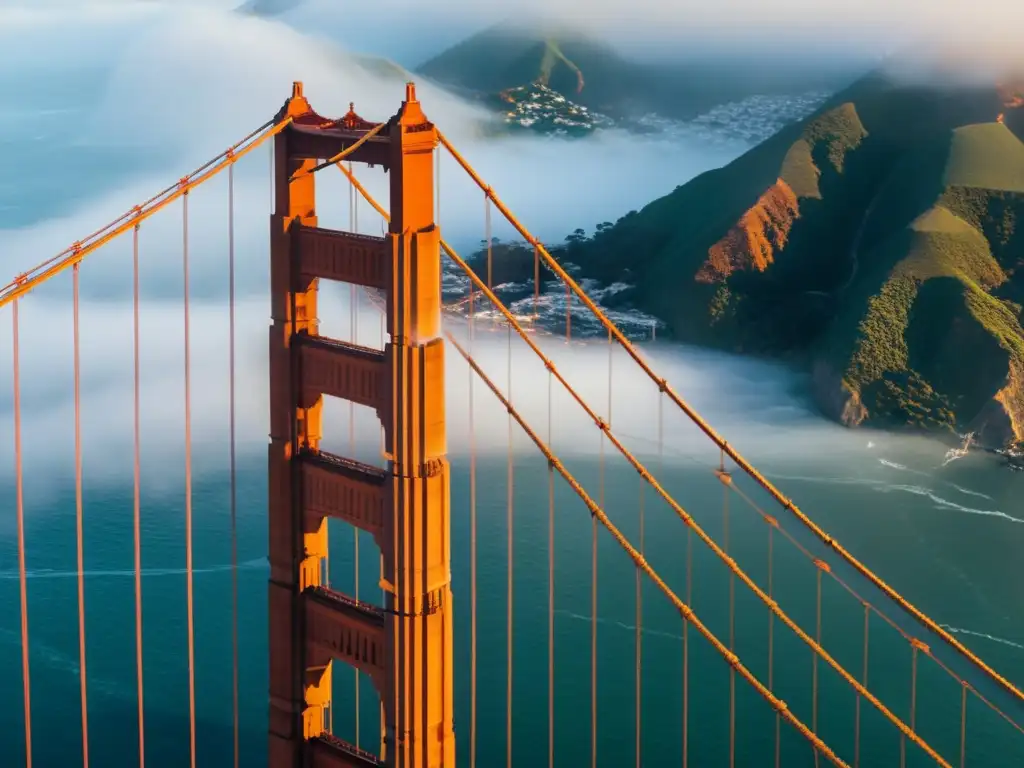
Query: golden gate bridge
404	643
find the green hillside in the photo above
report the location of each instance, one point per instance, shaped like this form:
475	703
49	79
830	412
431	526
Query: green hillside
880	242
985	156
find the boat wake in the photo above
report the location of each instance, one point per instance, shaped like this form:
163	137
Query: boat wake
982	635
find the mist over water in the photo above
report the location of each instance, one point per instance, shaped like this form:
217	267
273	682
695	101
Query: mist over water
115	102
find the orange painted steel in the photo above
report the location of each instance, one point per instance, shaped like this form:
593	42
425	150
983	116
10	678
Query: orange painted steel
189	592
420	602
685	516
20	514
137	504
232	458
27	281
80	555
686	651
510	563
472	569
414	672
341	155
723	444
688	614
692	525
299	686
551	588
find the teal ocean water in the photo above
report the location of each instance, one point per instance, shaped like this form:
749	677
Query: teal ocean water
957	565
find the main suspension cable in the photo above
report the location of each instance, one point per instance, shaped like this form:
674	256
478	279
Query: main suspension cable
20	504
908	637
137	505
78	520
637	558
188	497
680	512
719	441
26	282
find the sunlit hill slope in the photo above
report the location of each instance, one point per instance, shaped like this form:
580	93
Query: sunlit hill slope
881	242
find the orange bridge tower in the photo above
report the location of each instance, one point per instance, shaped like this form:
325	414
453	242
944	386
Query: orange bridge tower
405	645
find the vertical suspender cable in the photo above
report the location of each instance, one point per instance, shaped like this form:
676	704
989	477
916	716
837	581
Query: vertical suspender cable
638	639
188	497
771	642
593	639
963	725
814	692
593	578
551	590
913	702
137	506
78	523
20	502
639	635
864	682
732	614
472	550
234	483
686	649
508	703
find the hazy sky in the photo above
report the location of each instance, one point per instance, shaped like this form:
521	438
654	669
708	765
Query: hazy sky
676	27
412	30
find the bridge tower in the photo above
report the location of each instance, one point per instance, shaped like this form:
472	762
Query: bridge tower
405	645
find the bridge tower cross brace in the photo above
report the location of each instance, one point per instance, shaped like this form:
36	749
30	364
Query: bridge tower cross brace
406	644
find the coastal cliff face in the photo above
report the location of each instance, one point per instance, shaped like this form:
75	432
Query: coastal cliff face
881	241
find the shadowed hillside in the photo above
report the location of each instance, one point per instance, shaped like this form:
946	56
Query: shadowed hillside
593	74
881	242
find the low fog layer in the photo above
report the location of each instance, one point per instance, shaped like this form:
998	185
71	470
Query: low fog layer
751	402
177	84
791	29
